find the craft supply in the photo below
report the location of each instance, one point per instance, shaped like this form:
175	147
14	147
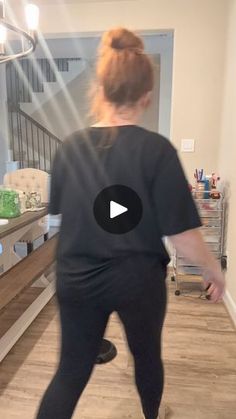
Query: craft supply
207	188
215	194
199	191
9	203
33	201
198	174
214	179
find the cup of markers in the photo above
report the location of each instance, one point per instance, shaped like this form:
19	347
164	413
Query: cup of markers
198	174
200	183
205	186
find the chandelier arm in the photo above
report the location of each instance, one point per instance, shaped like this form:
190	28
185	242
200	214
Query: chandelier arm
18	30
15	56
31	38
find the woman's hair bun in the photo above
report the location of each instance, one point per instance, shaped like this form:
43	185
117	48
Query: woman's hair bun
124	73
123	39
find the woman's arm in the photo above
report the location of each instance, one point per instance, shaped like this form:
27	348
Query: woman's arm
191	245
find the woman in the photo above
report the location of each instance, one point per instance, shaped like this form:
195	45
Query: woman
100	270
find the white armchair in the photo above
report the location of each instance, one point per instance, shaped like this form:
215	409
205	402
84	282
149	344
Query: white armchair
28	180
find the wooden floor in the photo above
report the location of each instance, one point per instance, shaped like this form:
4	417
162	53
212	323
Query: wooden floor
200	366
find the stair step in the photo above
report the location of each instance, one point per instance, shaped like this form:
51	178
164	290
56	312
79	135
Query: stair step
33	164
19	156
52	87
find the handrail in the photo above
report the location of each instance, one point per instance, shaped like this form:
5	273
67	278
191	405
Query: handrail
36	123
32	144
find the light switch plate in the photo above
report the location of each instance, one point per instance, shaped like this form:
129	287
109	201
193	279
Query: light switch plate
188	145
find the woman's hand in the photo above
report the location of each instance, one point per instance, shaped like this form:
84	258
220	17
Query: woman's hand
215	286
191	245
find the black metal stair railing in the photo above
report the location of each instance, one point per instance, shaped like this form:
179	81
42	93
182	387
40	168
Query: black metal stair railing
32	144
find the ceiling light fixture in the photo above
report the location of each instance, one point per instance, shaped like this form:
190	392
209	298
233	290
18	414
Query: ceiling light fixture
28	37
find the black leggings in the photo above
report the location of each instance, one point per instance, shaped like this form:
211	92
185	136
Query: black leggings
83	324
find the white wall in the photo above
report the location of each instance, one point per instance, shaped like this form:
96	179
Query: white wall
227	154
68	110
162	44
3	123
157	117
166	91
199	27
150	119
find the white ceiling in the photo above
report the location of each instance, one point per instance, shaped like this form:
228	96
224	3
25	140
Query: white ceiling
58	2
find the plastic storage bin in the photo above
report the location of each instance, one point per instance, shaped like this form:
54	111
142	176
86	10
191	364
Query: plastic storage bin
212	216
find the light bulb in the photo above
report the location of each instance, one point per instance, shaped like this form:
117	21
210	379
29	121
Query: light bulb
2	9
3	34
32	16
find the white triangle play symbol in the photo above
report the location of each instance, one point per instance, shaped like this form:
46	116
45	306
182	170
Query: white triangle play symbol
116	209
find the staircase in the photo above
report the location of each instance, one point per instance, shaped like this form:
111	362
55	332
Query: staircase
32	144
30	83
59	75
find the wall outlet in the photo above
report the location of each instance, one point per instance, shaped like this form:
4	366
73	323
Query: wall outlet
188	145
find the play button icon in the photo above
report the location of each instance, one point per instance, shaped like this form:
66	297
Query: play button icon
118	209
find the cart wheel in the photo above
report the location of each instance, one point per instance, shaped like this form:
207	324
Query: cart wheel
223	263
177	292
172	278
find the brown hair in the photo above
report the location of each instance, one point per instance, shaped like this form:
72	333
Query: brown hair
124	73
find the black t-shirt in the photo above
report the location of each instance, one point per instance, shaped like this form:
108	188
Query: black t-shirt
137	158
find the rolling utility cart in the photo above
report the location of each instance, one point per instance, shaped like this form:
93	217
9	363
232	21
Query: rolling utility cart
212	216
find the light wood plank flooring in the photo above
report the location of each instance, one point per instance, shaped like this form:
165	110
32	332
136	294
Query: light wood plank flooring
200	365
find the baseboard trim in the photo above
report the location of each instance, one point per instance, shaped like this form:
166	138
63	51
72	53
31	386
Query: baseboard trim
231	306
